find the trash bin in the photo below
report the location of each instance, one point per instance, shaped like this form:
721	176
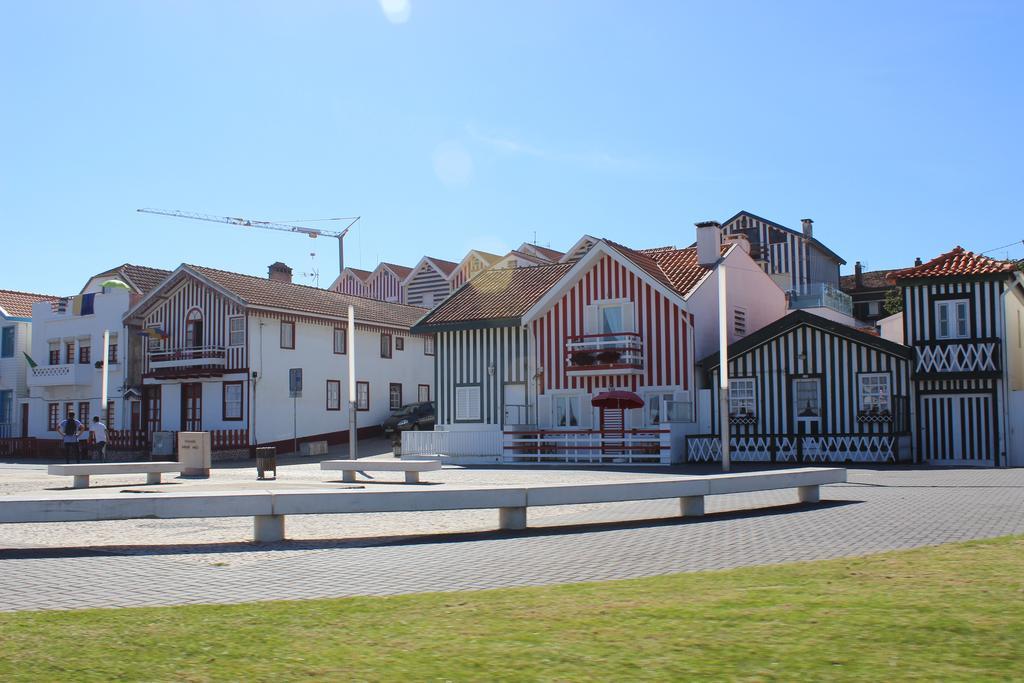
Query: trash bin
266	461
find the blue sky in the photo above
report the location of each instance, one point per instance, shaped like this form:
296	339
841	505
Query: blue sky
455	124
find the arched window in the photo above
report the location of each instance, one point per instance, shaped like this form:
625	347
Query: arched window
194	329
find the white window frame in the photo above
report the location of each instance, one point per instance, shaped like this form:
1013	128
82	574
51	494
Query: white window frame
468	403
228	415
570	405
232	341
342	334
287	325
739	387
660	401
625	308
362	395
864	392
428	346
333	398
952	307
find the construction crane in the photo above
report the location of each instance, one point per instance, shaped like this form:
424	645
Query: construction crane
267	225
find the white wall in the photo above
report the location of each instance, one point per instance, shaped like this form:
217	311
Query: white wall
891	328
314	353
1014	339
748	287
47	326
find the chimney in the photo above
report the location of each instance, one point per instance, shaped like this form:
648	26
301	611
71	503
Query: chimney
808	226
918	262
740	240
709	243
858	275
280	272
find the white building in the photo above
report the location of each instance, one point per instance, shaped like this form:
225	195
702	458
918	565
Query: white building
224	346
15	342
67	346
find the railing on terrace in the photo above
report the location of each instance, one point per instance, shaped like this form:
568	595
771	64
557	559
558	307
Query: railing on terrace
952	356
607	351
452	443
793	448
821	295
588	446
199	355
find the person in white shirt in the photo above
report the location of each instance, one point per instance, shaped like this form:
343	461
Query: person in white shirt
99	437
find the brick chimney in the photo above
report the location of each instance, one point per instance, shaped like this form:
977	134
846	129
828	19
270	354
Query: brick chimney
280	272
709	242
858	275
808	226
918	262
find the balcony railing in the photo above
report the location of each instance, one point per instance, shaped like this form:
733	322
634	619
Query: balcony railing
188	357
588	446
957	356
68	374
615	352
821	295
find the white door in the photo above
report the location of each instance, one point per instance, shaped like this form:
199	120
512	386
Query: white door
515	405
958	428
807	405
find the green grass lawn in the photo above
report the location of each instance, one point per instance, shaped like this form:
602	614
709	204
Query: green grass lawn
951	612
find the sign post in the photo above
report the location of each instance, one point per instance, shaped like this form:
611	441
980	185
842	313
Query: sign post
350	345
295	393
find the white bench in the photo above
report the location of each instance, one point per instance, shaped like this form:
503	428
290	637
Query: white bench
412	468
81	473
269	508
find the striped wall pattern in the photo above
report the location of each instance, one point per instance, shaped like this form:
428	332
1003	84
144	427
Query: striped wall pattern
662	324
384	285
786	252
190	294
836	360
958	419
467	270
427	287
463	357
350	284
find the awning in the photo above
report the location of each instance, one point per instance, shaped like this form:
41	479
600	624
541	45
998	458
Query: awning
617	399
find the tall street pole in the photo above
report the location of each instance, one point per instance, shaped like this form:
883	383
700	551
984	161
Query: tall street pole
723	365
353	429
106	376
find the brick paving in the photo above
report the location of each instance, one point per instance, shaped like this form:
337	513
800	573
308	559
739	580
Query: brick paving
877	510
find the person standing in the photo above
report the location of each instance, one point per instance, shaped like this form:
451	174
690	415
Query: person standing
98	430
69	429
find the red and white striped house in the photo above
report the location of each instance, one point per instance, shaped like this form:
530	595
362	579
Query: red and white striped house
590	360
352	281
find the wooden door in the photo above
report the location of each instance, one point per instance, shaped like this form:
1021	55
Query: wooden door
24	420
806	409
192	407
152	408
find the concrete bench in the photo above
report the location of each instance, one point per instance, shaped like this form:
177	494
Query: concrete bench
412	468
81	473
269	508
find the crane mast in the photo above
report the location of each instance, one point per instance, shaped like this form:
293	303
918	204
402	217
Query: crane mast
267	225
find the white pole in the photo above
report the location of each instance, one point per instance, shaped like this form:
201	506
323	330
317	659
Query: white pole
106	376
723	366
350	347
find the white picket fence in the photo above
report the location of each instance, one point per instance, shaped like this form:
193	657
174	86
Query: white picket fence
452	444
828	448
588	446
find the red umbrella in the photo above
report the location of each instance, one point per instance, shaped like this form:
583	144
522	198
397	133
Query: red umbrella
617	399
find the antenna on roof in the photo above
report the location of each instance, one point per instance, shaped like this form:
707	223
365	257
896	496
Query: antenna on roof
1005	246
314	272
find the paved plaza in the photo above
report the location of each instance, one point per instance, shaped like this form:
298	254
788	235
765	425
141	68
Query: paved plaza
168	562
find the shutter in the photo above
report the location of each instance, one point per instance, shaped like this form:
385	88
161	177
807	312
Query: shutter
544	418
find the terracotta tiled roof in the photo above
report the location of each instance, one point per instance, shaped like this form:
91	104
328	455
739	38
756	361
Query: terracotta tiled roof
401	271
550	254
676	268
14	304
447	267
498	294
266	293
953	264
143	278
359	273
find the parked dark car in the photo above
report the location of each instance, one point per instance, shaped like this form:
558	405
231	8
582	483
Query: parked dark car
415	416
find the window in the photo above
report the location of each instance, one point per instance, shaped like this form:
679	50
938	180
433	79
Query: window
742	397
194	329
428	346
385	346
236	331
232	400
54	353
110	415
334	394
156	336
612	319
394	396
467	403
807	398
875	393
7	407
287	334
399	343
7	342
70	408
112	352
874	308
69	352
52	416
423	393
362	395
656	408
565	411
739	322
951	319
340	340
83	412
84	354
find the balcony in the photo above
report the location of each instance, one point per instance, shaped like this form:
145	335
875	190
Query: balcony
957	358
821	295
190	357
617	353
69	374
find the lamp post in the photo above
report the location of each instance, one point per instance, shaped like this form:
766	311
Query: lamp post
723	366
353	429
